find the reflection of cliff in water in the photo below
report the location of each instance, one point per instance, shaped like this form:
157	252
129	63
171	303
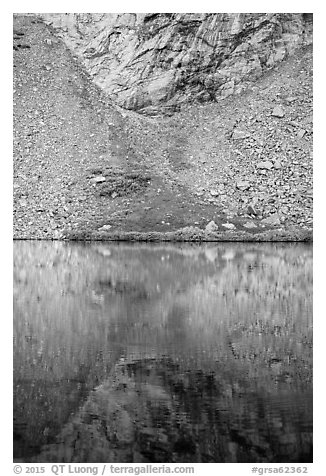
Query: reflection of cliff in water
220	333
153	411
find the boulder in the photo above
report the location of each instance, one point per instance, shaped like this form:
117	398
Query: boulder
240	134
272	220
105	228
211	227
229	226
249	224
265	165
243	184
278	112
98	179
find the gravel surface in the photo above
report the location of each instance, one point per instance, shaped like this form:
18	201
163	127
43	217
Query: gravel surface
86	169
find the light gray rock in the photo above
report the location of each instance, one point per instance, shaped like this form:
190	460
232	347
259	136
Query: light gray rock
301	133
98	179
229	226
243	184
273	220
278	111
105	228
284	210
290	99
214	193
249	224
265	165
240	134
211	227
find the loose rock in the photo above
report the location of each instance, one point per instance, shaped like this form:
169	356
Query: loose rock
229	226
98	179
250	224
105	228
265	165
272	220
211	227
301	133
278	112
243	185
240	134
252	210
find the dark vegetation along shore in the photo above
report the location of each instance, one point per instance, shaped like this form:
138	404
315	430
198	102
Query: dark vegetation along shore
239	168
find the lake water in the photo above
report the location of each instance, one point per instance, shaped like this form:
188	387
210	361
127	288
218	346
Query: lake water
163	352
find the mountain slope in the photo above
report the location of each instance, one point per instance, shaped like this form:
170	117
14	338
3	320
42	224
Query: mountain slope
160	61
85	168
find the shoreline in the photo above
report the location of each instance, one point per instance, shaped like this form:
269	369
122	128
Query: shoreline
190	234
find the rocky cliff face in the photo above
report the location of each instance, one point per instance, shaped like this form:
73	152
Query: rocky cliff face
159	61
